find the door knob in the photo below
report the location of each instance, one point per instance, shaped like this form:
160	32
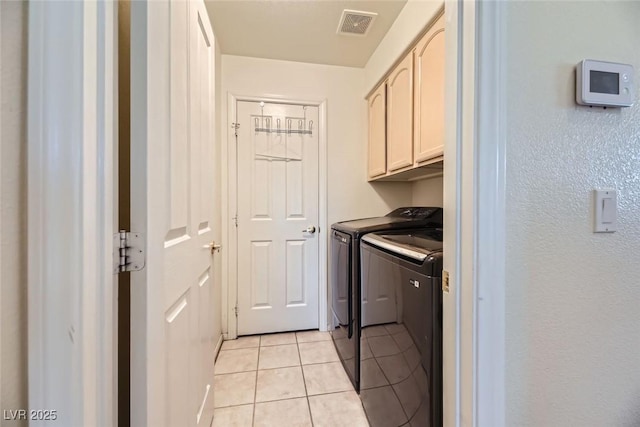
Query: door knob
310	229
213	247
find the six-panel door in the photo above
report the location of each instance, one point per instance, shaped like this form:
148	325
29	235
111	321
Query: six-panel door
278	236
172	188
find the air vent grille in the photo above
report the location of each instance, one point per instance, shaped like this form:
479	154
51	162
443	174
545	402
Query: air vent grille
355	22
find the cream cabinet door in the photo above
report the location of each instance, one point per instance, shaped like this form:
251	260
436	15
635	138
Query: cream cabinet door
377	132
429	94
400	115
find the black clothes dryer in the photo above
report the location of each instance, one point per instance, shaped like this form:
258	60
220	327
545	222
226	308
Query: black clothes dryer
345	275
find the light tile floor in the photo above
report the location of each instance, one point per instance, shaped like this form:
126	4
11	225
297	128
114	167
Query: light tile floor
293	379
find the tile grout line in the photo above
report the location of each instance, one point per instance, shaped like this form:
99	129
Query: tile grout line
390	384
255	389
304	380
253	412
292	366
234	372
294	398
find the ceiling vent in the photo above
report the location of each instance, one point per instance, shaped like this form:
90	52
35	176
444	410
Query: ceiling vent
355	22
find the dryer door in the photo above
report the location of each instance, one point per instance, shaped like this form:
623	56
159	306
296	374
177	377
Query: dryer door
341	279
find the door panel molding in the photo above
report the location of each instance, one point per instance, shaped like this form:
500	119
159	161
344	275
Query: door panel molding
230	208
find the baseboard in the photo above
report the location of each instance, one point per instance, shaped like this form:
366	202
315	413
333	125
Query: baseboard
218	346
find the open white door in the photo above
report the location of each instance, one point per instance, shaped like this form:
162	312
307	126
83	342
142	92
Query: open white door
172	125
71	202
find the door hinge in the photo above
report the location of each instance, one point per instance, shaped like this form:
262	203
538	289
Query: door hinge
445	281
235	127
128	252
235	310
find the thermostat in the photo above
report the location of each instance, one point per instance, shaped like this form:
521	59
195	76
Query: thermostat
604	84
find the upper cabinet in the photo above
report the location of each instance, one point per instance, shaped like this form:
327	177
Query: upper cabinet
377	132
428	98
406	130
400	115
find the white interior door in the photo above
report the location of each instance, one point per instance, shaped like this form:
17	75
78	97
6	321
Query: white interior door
277	217
172	347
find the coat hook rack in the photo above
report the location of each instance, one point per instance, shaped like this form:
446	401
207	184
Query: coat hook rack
264	124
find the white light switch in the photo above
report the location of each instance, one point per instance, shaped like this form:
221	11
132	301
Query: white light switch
606	206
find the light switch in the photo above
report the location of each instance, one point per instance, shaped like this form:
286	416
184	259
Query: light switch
608	211
606	206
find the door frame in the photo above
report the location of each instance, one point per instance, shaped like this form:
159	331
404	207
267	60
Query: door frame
1	203
475	214
229	177
72	202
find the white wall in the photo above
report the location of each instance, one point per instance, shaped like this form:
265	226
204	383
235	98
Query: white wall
427	192
349	194
410	22
13	280
572	297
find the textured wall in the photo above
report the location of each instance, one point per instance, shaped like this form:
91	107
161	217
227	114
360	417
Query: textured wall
13	282
573	297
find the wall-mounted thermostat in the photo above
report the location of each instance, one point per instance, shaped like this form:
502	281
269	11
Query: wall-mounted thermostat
604	84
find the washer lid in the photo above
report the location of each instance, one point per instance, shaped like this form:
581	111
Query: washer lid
372	223
402	218
428	239
417	245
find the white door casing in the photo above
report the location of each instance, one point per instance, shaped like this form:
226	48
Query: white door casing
1	201
278	188
474	201
172	93
490	215
72	131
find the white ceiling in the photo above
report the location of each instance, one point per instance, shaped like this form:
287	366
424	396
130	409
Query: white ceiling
302	30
